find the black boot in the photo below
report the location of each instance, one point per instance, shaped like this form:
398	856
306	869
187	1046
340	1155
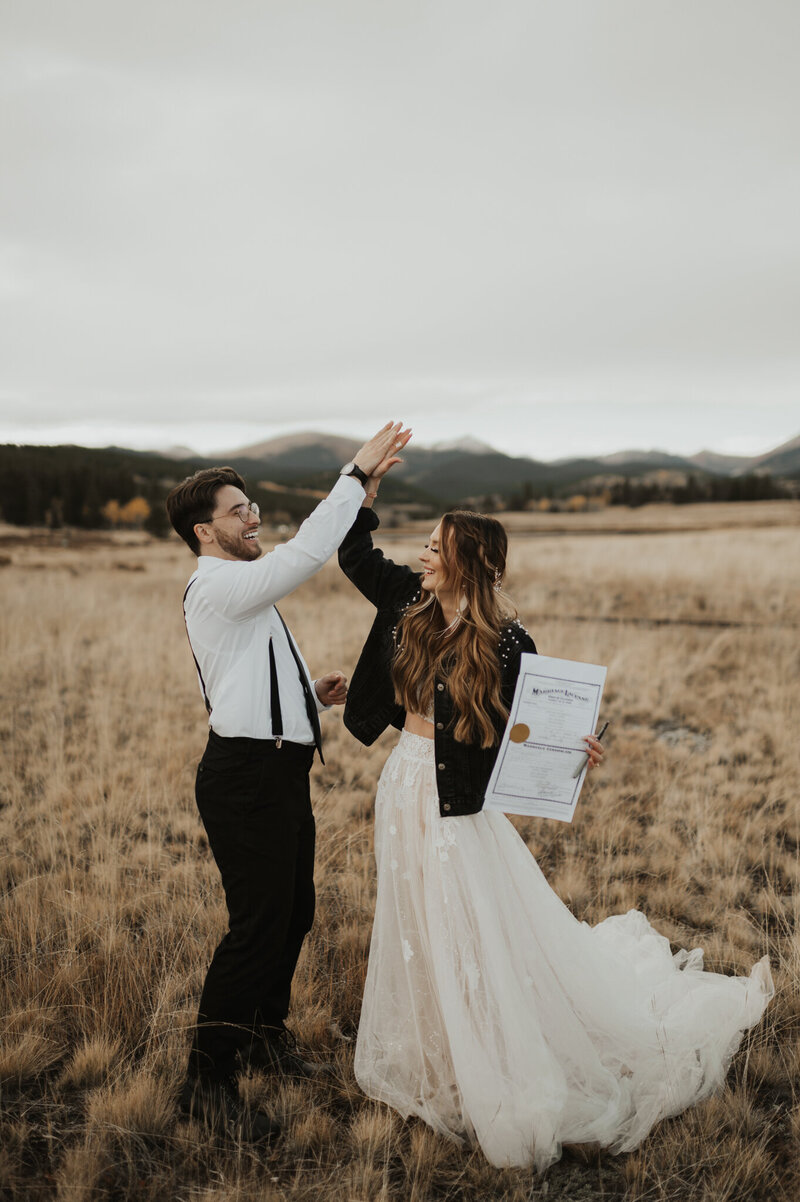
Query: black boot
216	1104
277	1052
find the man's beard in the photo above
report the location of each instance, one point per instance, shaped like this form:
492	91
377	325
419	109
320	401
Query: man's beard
238	546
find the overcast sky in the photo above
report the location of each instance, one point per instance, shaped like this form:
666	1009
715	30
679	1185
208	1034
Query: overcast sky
559	227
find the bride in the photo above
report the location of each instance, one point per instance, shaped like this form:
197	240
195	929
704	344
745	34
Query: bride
489	1011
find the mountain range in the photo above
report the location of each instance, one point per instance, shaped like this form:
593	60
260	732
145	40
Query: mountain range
466	467
71	485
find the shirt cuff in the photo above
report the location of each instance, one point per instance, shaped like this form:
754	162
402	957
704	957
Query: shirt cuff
347	484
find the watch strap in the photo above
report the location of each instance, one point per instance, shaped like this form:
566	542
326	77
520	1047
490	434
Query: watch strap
360	475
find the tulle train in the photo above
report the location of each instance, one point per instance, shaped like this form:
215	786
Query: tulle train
494	1015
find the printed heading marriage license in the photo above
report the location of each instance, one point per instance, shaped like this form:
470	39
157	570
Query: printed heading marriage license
556	703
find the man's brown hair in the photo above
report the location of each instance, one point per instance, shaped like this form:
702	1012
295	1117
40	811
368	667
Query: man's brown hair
193	500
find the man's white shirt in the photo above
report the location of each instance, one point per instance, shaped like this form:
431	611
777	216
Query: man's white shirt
230	618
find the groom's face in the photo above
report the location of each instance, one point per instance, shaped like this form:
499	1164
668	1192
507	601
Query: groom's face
235	538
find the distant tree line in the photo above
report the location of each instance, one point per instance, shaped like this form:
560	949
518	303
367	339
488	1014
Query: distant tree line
635	491
113	488
752	487
68	486
108	488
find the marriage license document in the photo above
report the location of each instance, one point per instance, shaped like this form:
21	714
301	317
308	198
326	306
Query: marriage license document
556	703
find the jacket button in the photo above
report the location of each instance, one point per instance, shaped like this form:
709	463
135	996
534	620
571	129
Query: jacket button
440	725
440	687
446	805
440	767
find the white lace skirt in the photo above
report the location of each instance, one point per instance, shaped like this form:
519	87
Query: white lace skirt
496	1016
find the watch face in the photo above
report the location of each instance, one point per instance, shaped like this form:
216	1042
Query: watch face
347	469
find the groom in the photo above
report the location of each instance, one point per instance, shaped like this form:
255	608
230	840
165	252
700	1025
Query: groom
252	786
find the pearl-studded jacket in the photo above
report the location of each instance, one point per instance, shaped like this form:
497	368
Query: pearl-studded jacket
462	769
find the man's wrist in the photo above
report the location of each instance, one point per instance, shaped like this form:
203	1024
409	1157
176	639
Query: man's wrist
352	469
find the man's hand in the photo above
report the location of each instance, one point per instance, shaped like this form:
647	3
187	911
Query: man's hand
381	447
372	485
332	689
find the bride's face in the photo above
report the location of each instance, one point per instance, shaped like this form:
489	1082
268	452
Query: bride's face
434	577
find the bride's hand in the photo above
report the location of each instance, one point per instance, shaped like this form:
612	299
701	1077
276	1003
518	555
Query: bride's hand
390	460
595	751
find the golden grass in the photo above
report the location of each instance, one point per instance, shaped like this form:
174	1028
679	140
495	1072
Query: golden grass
111	903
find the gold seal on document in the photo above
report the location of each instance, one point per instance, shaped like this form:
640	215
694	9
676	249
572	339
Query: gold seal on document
519	733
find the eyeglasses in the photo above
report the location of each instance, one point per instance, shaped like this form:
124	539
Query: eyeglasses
244	512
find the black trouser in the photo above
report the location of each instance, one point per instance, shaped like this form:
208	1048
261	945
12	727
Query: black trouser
255	803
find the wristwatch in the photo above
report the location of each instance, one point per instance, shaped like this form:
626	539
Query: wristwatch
352	469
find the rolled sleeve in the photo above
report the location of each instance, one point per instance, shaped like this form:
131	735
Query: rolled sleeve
244	589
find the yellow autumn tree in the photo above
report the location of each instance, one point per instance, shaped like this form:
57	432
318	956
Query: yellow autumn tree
134	513
110	512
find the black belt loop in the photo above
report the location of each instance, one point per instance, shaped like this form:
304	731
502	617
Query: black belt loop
275	698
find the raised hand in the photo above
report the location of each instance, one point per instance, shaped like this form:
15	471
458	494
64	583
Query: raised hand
391	459
389	439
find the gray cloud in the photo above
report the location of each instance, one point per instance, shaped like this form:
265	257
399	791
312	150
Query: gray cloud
209	207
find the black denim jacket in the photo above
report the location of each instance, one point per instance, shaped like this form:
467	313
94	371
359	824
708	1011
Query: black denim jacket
462	769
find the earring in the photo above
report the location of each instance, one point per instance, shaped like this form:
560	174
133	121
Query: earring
498	576
462	605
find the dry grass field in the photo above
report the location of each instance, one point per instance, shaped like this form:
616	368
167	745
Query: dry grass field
111	904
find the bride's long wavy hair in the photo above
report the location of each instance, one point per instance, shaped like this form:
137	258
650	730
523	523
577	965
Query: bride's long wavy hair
472	549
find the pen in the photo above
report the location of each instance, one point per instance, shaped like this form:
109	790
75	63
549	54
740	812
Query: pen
583	762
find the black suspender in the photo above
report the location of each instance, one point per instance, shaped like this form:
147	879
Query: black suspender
276	715
191	648
311	708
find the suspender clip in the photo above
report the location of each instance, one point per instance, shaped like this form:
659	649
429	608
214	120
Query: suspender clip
279	743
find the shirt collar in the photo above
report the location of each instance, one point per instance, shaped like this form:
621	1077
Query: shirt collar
205	562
